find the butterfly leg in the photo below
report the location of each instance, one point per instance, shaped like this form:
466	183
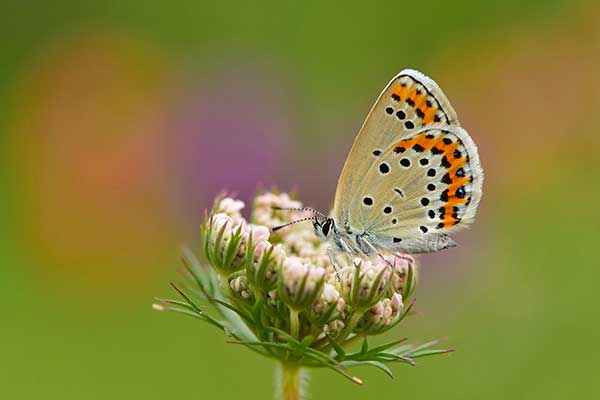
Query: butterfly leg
406	257
340	247
370	245
331	251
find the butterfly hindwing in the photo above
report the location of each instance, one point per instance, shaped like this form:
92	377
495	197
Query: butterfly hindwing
431	186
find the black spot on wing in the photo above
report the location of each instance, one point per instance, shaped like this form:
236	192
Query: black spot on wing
446	179
418	148
444	163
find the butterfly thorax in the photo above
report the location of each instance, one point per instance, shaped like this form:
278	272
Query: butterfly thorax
342	239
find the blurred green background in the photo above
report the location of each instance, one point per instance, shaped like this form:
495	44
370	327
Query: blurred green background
121	120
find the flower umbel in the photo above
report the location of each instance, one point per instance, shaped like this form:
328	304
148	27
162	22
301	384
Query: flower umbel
278	295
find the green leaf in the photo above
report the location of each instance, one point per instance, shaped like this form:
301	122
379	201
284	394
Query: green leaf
193	266
421	347
432	352
217	261
286	336
355	283
376	364
338	349
335	366
232	248
246	316
175	303
386	346
196	308
409	288
374	297
395	357
365	345
320	358
306	341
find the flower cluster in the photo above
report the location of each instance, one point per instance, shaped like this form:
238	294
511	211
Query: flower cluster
251	261
278	293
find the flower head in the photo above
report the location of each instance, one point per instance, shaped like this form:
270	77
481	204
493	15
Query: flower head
278	293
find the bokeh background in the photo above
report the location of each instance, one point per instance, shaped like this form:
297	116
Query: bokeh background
119	122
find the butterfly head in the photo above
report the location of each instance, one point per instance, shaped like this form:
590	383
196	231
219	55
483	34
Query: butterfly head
324	228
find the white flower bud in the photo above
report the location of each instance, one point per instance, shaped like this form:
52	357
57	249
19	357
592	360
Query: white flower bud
328	306
227	242
334	327
402	272
264	270
230	207
301	283
240	288
364	283
382	315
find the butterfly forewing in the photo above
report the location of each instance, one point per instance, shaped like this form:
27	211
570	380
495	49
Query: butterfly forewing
412	170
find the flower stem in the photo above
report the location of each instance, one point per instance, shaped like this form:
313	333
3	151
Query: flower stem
294	323
355	317
290	382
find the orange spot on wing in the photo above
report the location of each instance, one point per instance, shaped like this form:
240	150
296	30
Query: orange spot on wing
400	91
454	201
429	115
449	151
456	183
421	140
419	100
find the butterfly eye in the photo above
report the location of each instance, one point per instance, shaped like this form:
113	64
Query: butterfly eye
326	227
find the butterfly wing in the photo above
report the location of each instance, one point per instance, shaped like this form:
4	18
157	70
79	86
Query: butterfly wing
431	186
381	187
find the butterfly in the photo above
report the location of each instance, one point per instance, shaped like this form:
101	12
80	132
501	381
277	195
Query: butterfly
412	176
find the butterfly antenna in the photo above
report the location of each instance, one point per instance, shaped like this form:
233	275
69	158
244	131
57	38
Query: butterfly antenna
312	210
276	228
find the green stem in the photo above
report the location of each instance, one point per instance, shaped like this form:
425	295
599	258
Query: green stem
356	316
294	324
290	382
